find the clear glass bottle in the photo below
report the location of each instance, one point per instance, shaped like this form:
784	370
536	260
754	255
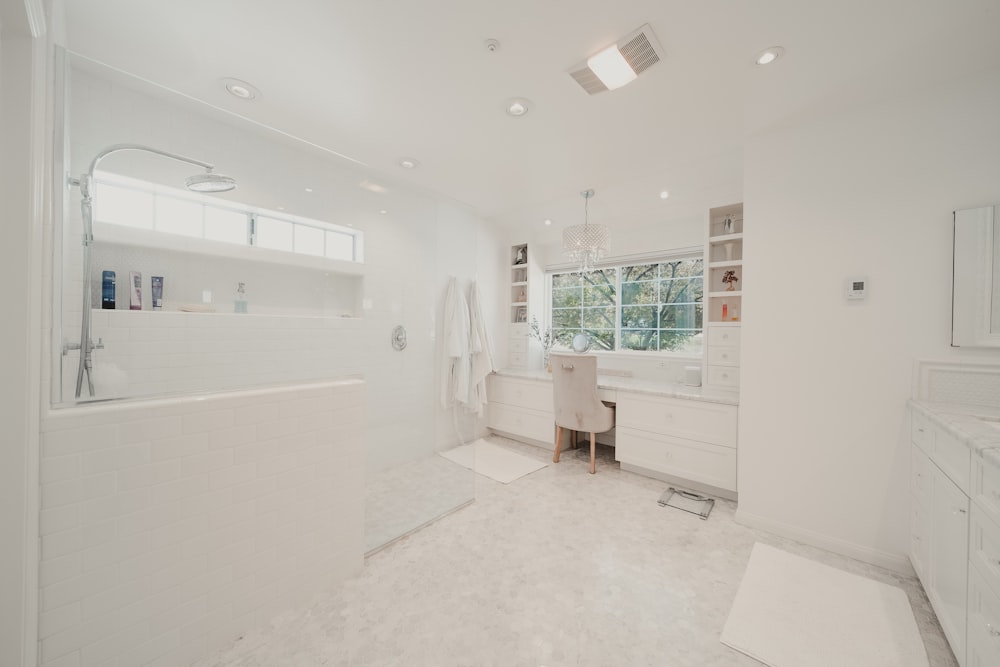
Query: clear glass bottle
240	302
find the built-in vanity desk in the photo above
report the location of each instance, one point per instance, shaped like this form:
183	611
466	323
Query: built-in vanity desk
955	522
685	435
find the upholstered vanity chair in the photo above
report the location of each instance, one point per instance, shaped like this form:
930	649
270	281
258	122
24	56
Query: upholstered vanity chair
577	407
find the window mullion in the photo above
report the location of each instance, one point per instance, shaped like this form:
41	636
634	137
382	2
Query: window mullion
618	308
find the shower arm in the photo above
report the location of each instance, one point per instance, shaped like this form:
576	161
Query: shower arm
87	180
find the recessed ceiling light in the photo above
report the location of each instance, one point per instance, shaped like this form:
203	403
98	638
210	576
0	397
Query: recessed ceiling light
408	163
517	107
548	222
281	208
383	211
664	194
309	189
372	186
241	89
769	55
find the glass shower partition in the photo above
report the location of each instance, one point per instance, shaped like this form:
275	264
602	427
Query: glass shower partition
302	273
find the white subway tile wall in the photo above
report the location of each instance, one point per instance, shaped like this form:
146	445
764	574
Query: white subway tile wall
194	352
170	526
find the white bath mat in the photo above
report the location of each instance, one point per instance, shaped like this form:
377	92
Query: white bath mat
493	461
794	612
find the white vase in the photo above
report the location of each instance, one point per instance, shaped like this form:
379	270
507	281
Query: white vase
728	249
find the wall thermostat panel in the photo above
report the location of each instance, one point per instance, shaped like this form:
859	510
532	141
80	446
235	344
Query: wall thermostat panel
857	288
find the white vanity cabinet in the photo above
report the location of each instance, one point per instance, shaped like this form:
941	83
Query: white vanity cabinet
984	570
691	440
521	407
939	536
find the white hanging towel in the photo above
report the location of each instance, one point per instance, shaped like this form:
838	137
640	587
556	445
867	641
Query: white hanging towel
455	338
481	348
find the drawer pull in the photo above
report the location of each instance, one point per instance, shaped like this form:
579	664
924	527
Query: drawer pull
959	510
725	356
725	376
920	430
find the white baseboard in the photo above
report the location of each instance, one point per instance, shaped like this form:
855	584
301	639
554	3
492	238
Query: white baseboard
895	562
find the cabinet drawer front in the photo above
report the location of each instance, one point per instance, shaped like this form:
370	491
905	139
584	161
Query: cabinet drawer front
534	395
724	335
691	420
984	623
984	547
920	476
723	356
517	345
518	421
687	459
985	486
517	359
953	457
921	432
723	376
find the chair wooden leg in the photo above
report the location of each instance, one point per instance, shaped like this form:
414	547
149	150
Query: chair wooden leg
572	438
559	433
593	453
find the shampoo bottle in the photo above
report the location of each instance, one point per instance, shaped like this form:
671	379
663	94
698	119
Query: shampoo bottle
240	303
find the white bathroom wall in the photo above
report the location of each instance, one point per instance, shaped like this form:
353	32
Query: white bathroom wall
866	191
23	98
169	527
150	353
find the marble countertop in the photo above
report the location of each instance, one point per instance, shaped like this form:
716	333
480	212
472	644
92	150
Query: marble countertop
965	423
638	386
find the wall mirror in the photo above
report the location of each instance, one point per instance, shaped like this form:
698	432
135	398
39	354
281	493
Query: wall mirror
976	286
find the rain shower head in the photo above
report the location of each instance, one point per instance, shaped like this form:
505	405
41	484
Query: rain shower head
210	182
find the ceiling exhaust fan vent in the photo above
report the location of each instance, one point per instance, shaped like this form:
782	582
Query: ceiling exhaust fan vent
640	49
639	53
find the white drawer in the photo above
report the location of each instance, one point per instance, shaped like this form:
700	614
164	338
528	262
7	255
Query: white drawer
534	395
953	457
517	359
696	461
984	546
723	335
518	421
985	486
920	476
723	356
723	376
518	345
692	420
921	432
983	649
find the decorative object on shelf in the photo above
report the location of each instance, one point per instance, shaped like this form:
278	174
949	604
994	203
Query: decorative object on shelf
522	315
728	249
729	278
727	225
586	243
547	340
581	343
725	311
521	256
522	296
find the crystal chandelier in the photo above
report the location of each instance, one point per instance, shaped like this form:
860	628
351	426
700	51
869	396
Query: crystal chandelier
586	244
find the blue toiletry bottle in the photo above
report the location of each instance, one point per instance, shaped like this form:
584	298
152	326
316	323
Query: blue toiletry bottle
108	290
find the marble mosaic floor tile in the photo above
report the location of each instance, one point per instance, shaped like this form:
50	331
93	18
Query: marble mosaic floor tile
557	568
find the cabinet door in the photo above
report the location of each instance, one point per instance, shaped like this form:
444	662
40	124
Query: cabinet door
949	559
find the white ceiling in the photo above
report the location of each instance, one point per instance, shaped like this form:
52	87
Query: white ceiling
376	80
